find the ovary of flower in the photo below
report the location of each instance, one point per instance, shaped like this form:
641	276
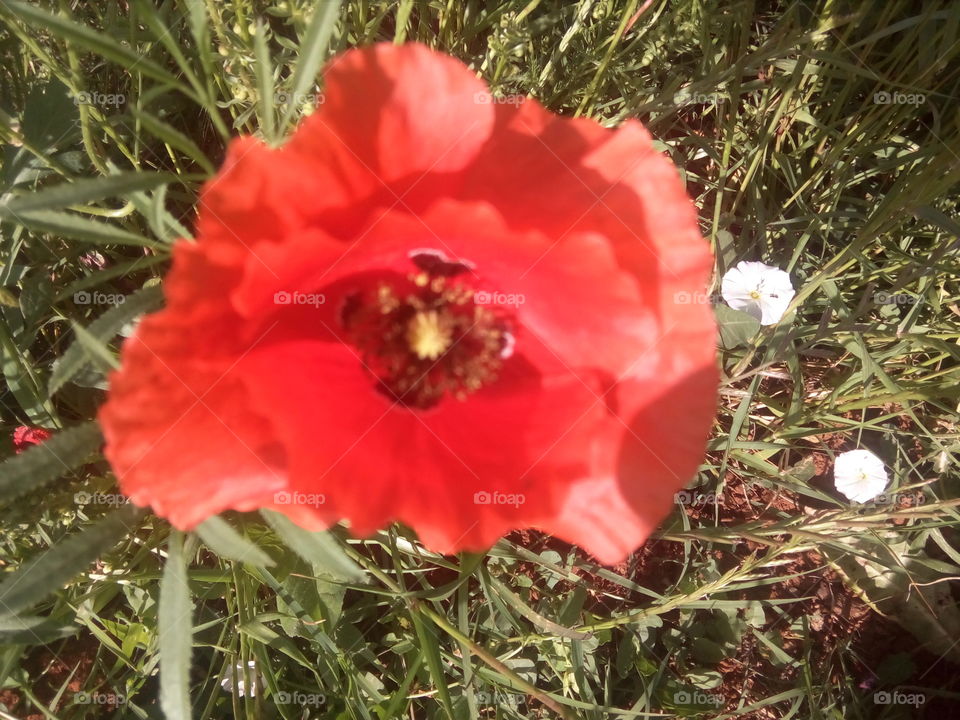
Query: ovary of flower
428	335
760	290
859	475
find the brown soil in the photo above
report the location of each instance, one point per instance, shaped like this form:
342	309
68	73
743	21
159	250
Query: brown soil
51	667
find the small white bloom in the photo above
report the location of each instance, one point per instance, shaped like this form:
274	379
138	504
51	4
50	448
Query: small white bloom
759	290
859	475
236	681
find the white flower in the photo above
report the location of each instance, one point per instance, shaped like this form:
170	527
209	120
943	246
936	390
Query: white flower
759	290
859	475
235	681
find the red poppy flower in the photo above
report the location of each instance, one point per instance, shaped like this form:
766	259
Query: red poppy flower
24	437
431	307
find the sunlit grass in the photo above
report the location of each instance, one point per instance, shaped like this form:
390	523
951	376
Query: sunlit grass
818	137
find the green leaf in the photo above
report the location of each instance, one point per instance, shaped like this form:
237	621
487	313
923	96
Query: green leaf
197	19
94	349
50	116
899	583
32	630
74	226
11	275
318	548
736	327
403	18
726	249
313	49
176	633
803	471
43	463
105	327
80	192
265	89
935	217
164	225
146	11
36	296
45	574
707	651
226	542
121	269
8	298
20	372
304	598
274	640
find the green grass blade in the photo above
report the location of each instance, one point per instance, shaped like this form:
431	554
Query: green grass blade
74	226
318	548
430	647
226	542
265	89
80	192
313	52
30	629
176	633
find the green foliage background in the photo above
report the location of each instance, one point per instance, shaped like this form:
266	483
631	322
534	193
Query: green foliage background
800	133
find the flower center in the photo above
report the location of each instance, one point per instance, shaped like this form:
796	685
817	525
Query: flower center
428	335
755	294
423	336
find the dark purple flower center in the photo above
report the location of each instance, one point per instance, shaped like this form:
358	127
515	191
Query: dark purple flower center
426	336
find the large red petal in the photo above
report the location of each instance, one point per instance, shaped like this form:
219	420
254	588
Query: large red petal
180	434
393	118
393	114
